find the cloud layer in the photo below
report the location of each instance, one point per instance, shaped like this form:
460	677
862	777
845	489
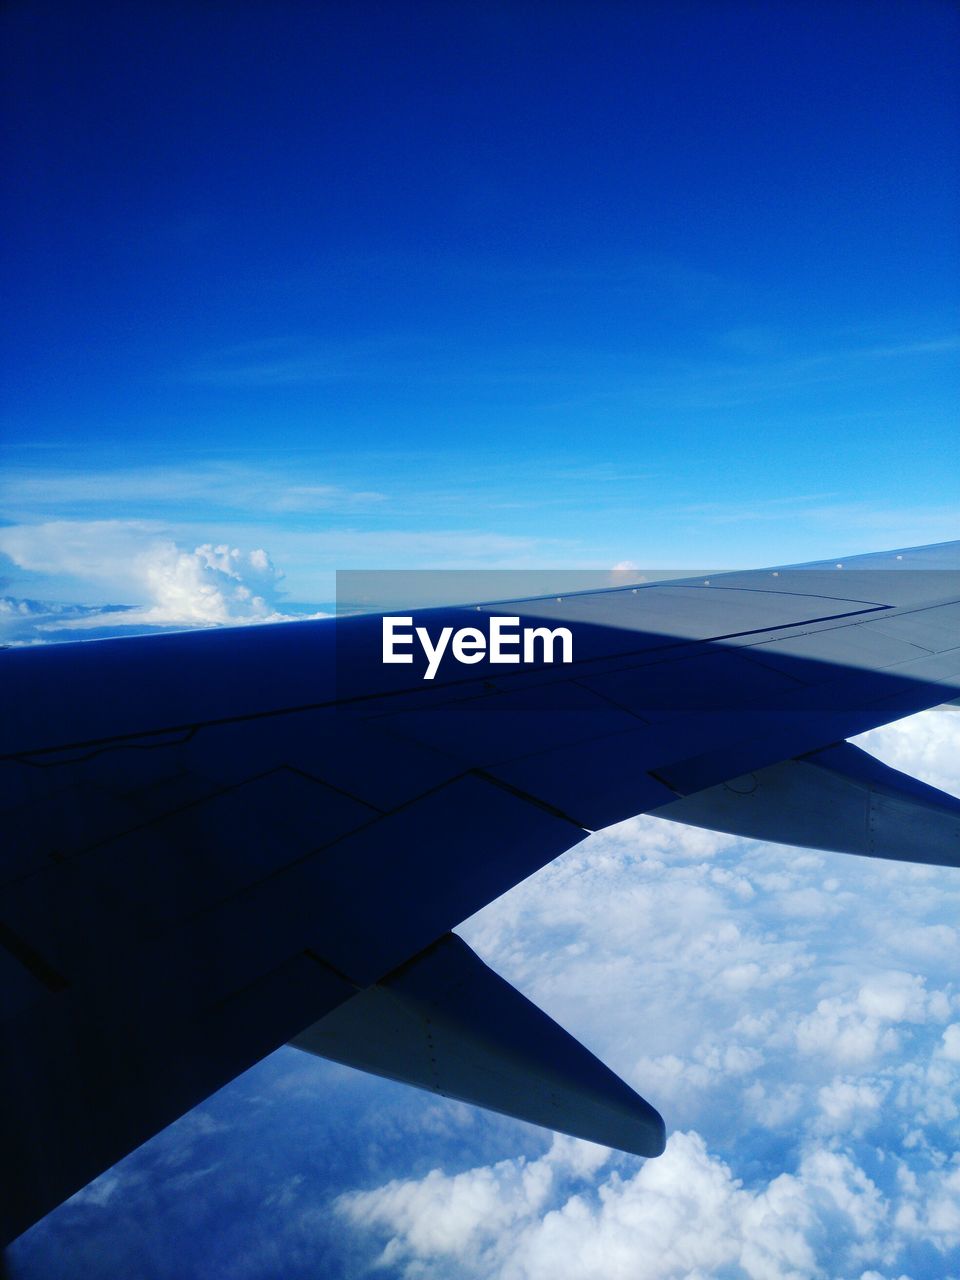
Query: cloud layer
684	1215
793	1014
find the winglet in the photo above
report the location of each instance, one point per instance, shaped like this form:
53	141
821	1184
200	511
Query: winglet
447	1023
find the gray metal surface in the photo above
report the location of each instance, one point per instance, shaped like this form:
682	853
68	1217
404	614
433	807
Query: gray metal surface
448	1024
840	798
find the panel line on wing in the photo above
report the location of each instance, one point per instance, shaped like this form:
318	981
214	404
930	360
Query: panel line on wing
35	964
552	809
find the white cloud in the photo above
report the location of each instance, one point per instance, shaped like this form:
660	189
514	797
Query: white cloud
860	1030
683	1215
96	551
168	584
211	584
951	1042
901	997
836	1029
923	745
795	1012
850	1105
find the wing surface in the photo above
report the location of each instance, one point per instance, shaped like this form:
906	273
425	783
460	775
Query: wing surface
217	839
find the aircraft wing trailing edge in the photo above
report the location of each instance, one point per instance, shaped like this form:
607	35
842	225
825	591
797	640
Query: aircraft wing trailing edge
220	842
840	798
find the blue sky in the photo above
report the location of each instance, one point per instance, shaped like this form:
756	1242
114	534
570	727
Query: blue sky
393	286
294	288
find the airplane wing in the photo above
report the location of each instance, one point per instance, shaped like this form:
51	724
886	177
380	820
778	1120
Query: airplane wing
220	842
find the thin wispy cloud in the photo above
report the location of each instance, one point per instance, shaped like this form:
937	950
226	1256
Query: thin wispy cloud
306	360
885	525
750	362
222	485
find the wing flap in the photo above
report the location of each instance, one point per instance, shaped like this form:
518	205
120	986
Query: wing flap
447	1023
840	798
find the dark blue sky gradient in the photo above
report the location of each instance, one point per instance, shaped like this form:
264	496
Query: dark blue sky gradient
403	198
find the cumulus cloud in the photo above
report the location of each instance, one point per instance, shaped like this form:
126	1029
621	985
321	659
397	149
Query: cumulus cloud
850	1105
167	584
684	1215
793	1014
951	1042
211	584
